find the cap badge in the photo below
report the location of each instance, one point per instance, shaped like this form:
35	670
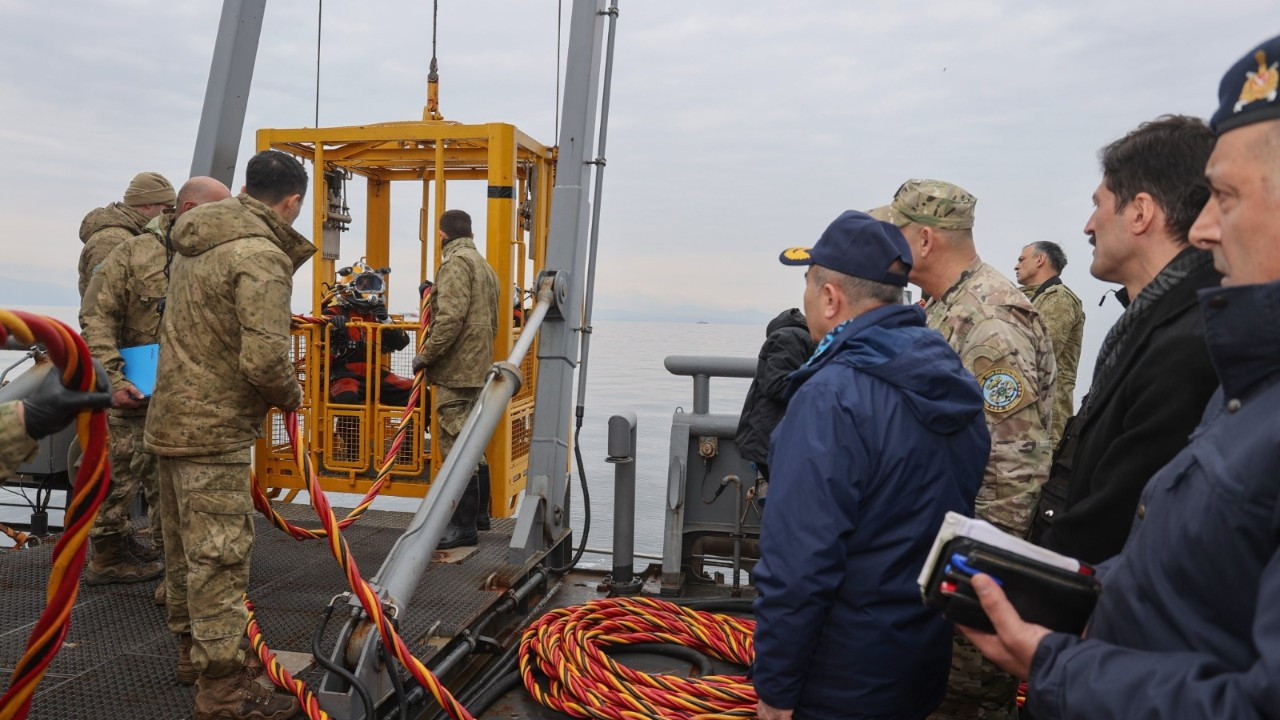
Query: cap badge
1259	85
1001	390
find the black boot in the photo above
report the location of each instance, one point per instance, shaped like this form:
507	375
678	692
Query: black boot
462	526
482	517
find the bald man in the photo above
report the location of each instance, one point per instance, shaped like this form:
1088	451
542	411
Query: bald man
121	309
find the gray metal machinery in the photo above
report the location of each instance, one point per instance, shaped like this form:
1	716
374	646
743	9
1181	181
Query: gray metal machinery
707	521
226	97
542	527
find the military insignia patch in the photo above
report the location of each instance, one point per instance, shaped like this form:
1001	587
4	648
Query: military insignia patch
1260	85
1002	389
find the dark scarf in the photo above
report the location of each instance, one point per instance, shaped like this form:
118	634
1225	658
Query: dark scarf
1055	280
1186	263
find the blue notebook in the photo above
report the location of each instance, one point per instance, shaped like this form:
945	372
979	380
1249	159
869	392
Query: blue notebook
140	367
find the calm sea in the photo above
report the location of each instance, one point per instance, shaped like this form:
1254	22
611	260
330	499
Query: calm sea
625	372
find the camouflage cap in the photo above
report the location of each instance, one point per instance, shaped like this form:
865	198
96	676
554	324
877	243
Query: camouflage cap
1250	91
929	202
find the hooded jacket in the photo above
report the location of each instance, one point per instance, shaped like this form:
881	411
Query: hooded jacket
121	308
883	435
1188	624
464	318
225	342
101	231
786	347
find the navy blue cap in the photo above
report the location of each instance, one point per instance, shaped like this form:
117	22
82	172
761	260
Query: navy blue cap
859	245
1250	91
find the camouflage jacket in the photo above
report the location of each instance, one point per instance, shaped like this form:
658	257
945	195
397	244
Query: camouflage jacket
101	231
464	318
1063	315
1002	340
16	447
224	340
121	308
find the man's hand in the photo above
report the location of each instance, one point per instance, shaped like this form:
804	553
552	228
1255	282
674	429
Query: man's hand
419	365
53	405
127	397
765	711
1015	641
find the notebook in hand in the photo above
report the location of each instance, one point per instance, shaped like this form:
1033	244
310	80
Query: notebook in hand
1046	588
140	367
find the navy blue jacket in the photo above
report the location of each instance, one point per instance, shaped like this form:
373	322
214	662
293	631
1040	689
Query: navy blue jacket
883	434
1188	625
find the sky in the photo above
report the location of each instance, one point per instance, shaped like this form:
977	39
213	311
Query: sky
737	128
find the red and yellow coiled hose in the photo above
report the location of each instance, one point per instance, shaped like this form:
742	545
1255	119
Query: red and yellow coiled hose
70	355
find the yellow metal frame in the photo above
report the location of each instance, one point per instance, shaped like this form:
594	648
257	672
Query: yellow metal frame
432	153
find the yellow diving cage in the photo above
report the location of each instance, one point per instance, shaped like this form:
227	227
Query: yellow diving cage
347	443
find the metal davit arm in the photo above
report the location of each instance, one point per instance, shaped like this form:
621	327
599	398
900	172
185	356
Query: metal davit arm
409	557
412	552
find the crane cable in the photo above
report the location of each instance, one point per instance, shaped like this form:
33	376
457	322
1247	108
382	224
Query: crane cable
70	356
263	504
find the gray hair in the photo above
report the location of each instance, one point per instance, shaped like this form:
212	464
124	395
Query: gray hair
1052	251
858	291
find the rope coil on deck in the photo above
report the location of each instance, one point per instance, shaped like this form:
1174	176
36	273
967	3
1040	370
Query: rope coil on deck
568	646
71	357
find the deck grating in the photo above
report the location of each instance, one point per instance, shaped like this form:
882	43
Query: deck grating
118	657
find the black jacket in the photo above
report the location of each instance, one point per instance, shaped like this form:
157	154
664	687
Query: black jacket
1154	400
786	347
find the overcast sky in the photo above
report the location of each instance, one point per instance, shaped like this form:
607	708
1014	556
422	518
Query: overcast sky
738	128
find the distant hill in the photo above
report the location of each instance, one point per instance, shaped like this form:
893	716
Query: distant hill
19	292
685	314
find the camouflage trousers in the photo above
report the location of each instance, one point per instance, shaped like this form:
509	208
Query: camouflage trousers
453	405
977	688
132	467
208	526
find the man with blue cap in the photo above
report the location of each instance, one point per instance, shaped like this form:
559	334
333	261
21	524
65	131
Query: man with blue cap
1188	624
883	435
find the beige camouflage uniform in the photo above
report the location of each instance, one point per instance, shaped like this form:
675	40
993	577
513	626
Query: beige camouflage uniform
1063	315
1002	341
16	447
101	231
224	360
121	310
459	347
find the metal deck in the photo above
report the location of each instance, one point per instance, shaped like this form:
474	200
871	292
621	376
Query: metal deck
118	658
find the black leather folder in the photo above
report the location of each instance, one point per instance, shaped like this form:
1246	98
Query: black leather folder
1059	599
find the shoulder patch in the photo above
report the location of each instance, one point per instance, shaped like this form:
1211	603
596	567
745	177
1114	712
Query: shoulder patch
1002	389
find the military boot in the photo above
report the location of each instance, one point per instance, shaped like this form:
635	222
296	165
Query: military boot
186	673
482	517
238	696
144	551
462	526
112	562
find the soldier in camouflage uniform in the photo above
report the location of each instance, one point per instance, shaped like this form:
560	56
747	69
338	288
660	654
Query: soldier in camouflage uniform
1001	340
121	309
106	227
224	361
1039	272
457	356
